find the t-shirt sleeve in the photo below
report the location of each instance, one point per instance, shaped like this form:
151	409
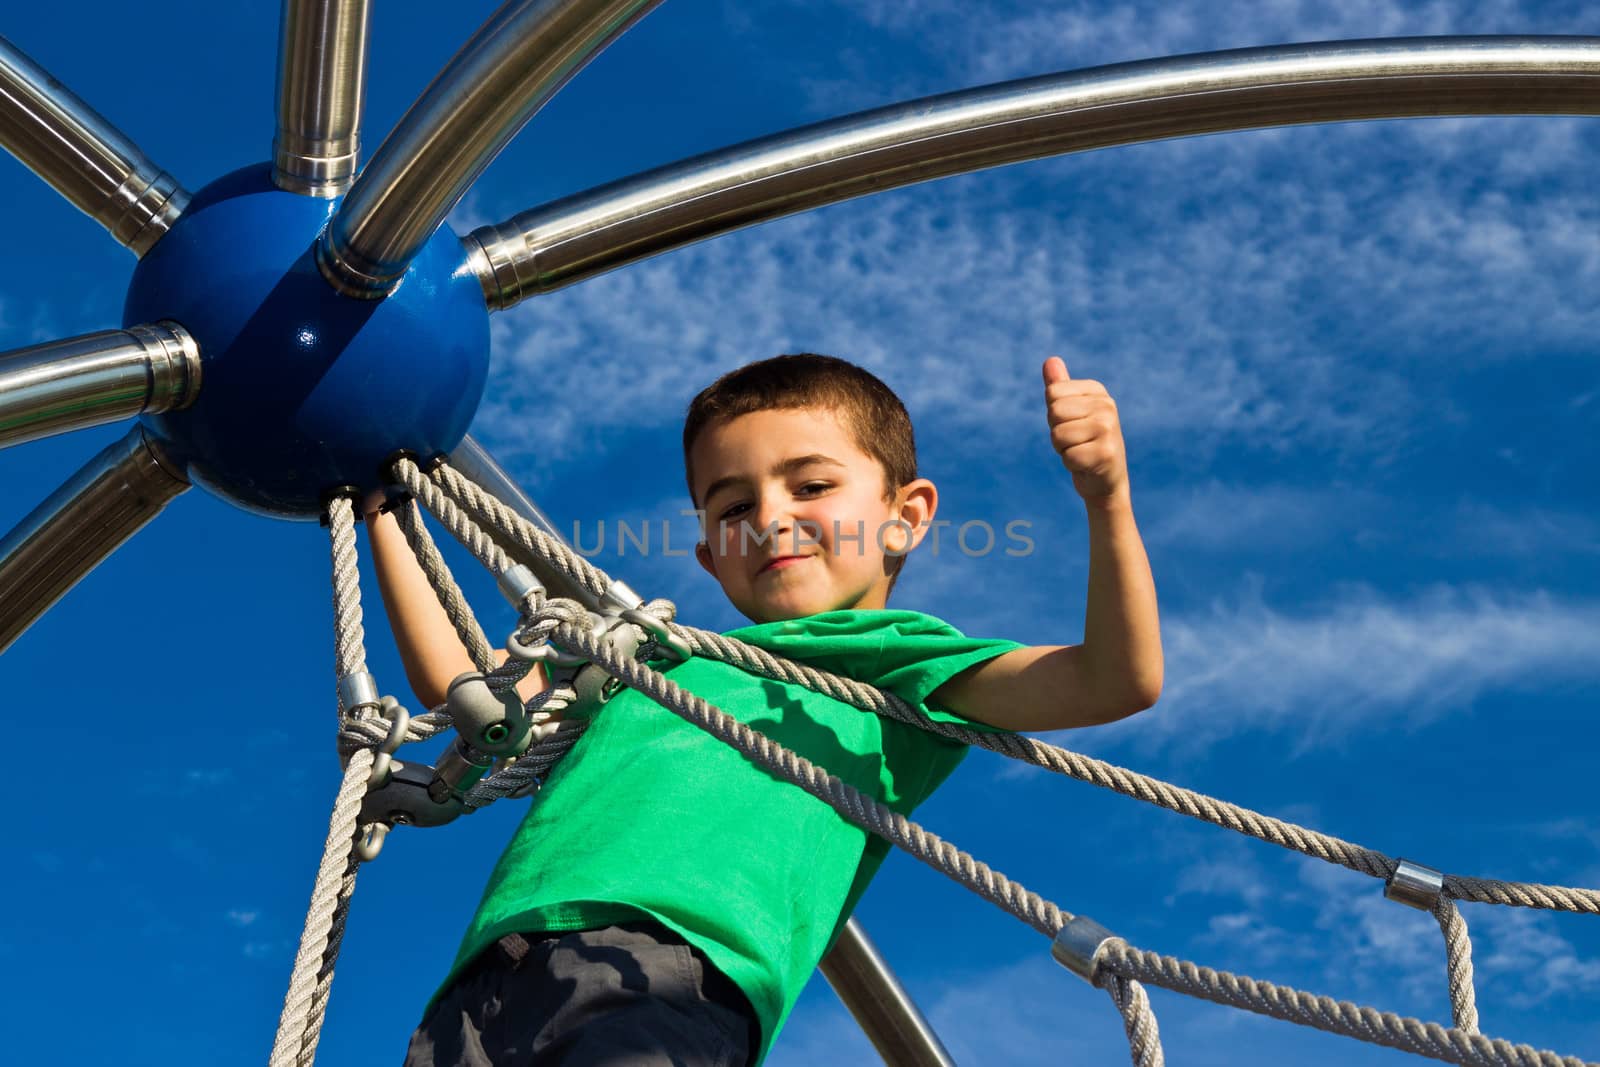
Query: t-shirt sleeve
906	652
918	657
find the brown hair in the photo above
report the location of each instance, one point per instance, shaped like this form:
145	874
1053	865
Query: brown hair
869	409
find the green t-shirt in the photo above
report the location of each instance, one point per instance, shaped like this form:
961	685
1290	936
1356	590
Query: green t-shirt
649	816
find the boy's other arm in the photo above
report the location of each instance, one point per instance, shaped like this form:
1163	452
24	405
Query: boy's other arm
1118	668
430	650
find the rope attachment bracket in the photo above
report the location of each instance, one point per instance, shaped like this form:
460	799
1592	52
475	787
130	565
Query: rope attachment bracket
1414	885
1077	946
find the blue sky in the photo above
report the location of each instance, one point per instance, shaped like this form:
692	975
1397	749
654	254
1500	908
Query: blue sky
1357	376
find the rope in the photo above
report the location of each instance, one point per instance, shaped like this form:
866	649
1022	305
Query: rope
324	987
1122	968
1116	956
500	517
444	586
529	769
460	525
1323	1013
1096	772
1144	1039
1458	964
304	1005
866	812
295	1044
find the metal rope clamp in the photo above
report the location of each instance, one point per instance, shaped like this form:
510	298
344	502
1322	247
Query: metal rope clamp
591	683
1414	885
490	724
397	793
403	800
1077	946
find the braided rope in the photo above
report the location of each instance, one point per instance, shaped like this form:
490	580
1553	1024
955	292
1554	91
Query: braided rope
1522	894
311	980
349	637
1323	1013
520	530
1050	757
529	769
295	1043
1144	1039
1458	964
444	586
1461	1044
324	987
1118	959
372	732
857	807
1132	784
460	525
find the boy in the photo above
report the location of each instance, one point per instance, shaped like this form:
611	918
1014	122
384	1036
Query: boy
664	901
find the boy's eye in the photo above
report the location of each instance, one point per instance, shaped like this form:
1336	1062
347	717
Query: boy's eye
731	510
815	487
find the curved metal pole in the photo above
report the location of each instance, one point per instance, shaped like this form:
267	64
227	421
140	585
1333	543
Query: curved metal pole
94	379
575	238
874	996
106	502
508	69
87	160
322	71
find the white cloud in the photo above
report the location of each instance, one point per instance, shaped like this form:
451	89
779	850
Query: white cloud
1217	286
241	917
1016	38
1244	665
1217	516
1523	953
1032	1012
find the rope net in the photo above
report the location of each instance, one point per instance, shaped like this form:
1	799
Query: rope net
563	631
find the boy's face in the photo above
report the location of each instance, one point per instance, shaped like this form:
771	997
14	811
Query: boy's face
795	517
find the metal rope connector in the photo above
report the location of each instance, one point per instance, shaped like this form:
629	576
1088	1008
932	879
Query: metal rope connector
1415	886
518	582
619	597
491	721
357	690
383	758
1077	946
660	632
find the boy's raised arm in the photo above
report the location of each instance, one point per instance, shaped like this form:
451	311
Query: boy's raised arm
1118	668
430	650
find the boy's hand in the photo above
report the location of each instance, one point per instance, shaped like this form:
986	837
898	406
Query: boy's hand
1085	430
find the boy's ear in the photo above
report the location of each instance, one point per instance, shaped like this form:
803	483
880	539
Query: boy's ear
919	500
702	552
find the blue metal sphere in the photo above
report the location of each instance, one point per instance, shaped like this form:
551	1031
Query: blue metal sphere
302	389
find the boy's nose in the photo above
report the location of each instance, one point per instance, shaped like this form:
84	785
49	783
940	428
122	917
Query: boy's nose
773	512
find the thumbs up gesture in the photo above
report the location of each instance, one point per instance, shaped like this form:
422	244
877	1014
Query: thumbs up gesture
1085	431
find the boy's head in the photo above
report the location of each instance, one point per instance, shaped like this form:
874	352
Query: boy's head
806	469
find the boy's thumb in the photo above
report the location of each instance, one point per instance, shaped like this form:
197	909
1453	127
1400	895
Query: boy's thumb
1055	370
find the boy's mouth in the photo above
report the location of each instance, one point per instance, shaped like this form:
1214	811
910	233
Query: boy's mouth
779	562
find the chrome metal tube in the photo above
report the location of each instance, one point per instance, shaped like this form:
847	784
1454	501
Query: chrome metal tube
322	72
87	160
575	238
515	62
96	378
475	462
881	1006
106	502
